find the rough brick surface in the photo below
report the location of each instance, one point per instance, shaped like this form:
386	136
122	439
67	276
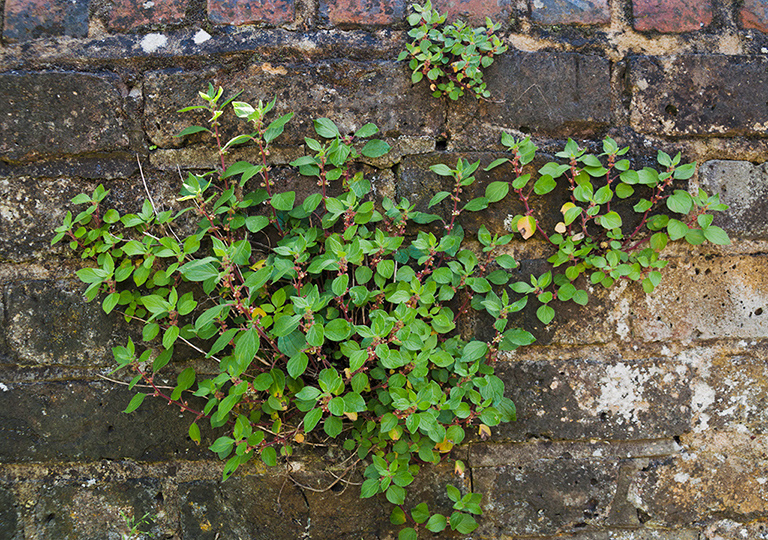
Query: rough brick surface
59	114
474	11
671	15
744	188
349	93
754	14
536	92
713	95
571	11
84	421
725	297
239	12
364	12
31	19
128	14
8	516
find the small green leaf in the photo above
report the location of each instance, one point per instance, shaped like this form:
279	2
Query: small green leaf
375	148
135	402
283	201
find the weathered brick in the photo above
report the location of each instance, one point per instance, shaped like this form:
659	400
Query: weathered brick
8	514
718	474
474	11
83	421
596	394
744	188
545	497
571	11
49	323
541	93
128	14
238	12
754	14
364	12
94	508
700	94
32	19
59	114
706	298
349	93
671	15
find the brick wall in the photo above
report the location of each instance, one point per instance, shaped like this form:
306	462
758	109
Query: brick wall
643	418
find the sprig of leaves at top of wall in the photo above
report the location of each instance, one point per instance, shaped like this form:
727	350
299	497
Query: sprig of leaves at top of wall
451	57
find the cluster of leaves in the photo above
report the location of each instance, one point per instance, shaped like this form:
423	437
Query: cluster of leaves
336	317
453	56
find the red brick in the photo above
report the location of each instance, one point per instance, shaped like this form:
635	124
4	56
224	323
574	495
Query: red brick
473	11
671	15
128	14
31	19
239	12
571	11
364	11
754	14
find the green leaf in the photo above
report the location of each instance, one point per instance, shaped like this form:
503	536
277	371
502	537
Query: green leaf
311	419
276	127
496	191
297	365
544	185
366	131
194	433
397	517
332	426
409	533
326	128
190	130
375	148
269	456
395	494
436	523
135	402
256	223
283	201
716	235
545	314
437	198
624	190
611	220
420	513
441	169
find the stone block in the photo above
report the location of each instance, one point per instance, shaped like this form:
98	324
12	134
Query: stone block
671	15
9	519
349	93
535	92
699	94
238	12
719	474
705	298
754	14
49	323
596	394
95	508
545	497
474	11
129	14
360	12
744	188
32	19
59	114
83	421
554	12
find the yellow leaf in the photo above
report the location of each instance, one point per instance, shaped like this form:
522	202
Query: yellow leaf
394	434
484	432
560	228
258	265
445	446
459	468
351	415
567	206
260	312
299	438
527	226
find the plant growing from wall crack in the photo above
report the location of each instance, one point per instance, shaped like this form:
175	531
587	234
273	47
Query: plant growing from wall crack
335	317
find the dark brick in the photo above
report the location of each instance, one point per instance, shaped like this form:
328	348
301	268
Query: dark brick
93	508
754	14
59	114
545	497
538	92
349	93
364	12
714	95
84	421
571	11
128	14
32	19
671	15
49	323
239	12
8	515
